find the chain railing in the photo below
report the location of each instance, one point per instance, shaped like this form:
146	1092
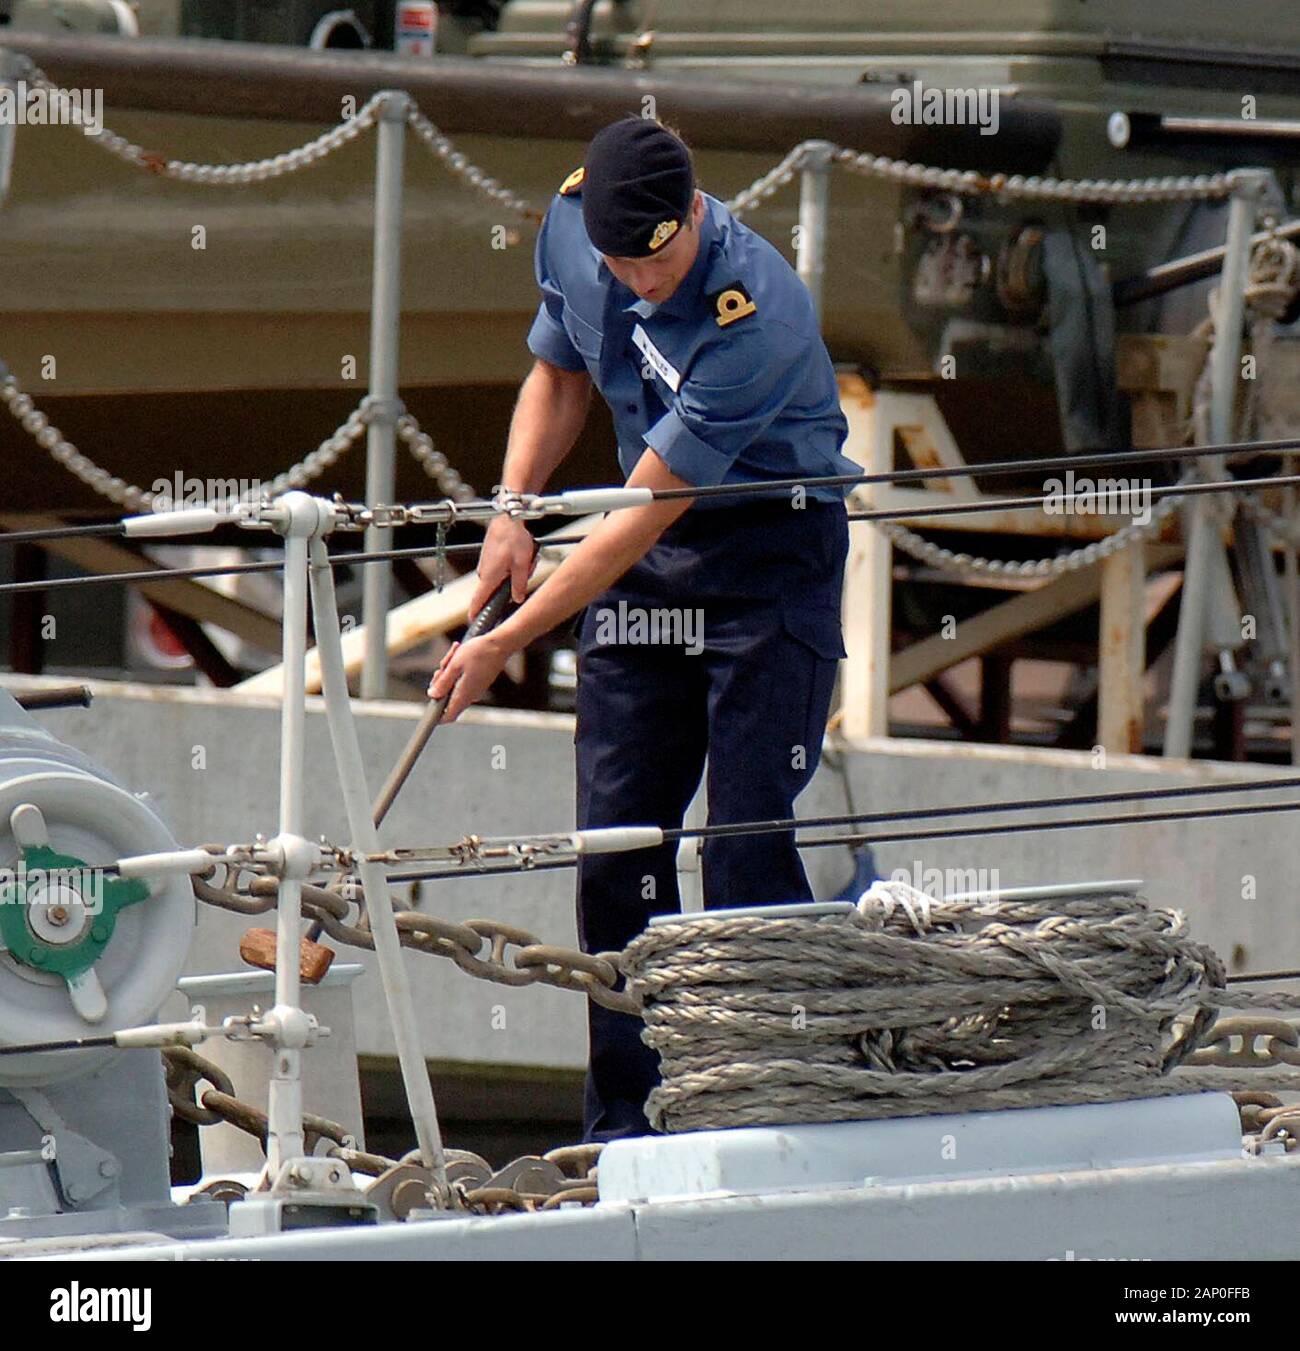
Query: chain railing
807	153
300	157
107	484
253	171
444	149
434	463
926	551
971	182
776	178
1030	188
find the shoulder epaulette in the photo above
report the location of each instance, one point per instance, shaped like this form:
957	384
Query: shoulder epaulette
573	182
731	303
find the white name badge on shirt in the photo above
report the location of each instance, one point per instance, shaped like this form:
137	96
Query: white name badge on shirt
669	373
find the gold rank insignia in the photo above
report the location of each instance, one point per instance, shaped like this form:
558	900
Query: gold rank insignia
573	181
664	231
732	303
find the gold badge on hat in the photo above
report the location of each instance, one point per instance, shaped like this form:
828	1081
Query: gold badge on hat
664	231
732	303
573	180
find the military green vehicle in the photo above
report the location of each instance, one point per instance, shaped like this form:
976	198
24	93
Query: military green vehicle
237	352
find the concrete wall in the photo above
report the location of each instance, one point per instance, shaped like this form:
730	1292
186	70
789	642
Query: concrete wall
211	763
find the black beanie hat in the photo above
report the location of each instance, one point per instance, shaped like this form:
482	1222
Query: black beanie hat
637	187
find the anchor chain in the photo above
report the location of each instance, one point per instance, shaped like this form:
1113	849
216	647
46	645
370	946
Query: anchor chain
562	1176
1233	1043
488	949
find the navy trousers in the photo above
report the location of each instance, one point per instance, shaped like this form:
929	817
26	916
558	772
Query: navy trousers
763	582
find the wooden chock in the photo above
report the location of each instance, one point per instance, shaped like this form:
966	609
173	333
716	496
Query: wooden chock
257	948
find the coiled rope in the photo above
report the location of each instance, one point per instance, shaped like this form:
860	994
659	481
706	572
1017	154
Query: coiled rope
910	1005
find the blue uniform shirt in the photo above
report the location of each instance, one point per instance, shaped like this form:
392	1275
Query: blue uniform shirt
750	398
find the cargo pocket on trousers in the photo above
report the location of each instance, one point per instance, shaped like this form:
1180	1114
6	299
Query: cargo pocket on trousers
819	631
816	628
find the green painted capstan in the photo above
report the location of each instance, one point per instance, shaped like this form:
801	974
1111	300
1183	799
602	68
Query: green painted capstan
62	959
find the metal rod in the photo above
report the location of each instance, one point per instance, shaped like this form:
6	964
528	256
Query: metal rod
60	531
1292	577
984	808
1191	813
385	336
365	837
432	715
1202	528
9	74
64	696
895	837
1032	465
1003	828
1193	268
1225	359
971	508
1137	129
1189	645
66	1044
284	1105
810	241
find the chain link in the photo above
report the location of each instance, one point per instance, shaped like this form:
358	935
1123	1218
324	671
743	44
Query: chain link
63	452
535	963
970	182
1265	1118
184	1069
562	1176
137	499
253	171
434	463
469	173
1201	187
303	156
771	182
307	470
924	551
1281	1044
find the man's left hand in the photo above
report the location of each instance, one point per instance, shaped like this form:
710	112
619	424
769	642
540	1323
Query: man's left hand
466	672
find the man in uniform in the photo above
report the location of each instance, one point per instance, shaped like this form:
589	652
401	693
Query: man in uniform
706	347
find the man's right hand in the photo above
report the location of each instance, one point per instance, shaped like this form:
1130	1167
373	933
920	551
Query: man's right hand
508	551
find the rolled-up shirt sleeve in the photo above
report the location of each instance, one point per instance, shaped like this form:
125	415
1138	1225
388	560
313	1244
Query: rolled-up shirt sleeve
547	338
732	393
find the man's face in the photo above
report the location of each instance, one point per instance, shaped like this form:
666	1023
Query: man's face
656	277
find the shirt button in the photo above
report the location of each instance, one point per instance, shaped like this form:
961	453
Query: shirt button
632	407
